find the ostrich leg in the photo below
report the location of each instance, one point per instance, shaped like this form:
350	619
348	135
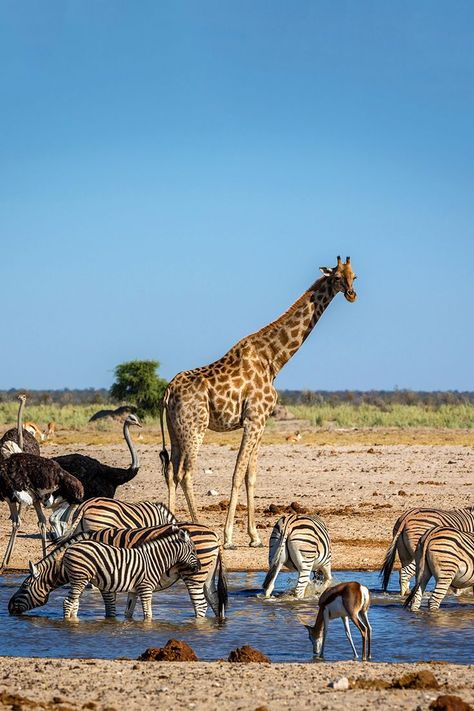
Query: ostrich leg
15	513
41	524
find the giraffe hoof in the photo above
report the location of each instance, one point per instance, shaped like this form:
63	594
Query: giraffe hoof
230	547
256	544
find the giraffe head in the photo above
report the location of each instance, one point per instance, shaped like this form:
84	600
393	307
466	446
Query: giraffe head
342	277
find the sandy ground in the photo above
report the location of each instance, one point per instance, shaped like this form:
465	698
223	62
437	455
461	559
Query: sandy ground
71	684
359	490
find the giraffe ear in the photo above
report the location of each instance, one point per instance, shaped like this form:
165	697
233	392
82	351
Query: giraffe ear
327	271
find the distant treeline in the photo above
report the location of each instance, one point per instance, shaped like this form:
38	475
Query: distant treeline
381	399
89	396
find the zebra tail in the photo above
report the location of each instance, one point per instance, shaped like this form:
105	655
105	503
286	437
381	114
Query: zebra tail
420	568
222	595
389	560
275	561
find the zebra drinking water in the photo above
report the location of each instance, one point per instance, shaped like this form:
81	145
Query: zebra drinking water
48	574
133	570
300	543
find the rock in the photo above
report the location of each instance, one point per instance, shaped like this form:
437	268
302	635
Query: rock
247	654
446	702
341	684
298	508
174	651
262	708
402	493
212	492
423	679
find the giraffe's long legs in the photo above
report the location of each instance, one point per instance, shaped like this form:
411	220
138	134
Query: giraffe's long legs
249	440
15	513
250	478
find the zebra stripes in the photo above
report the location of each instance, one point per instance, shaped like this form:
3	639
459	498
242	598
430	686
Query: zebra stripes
101	512
202	586
408	530
301	543
448	555
133	570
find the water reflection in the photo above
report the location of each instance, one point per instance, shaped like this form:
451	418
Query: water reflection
273	626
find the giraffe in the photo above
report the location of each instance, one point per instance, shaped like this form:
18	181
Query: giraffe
237	391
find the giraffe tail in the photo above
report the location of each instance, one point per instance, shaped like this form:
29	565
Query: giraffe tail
164	456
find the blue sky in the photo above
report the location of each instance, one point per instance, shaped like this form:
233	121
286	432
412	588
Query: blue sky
173	174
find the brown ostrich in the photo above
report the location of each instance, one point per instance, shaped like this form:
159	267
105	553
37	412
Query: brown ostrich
98	479
32	480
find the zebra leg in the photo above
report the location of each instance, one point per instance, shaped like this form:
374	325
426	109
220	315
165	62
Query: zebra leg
109	599
268	589
415	605
71	602
439	593
145	595
130	606
202	591
303	578
406	574
347	629
326	571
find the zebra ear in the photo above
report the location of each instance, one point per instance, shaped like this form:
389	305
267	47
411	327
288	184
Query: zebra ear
33	569
183	535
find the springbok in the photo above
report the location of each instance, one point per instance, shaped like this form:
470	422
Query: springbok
294	437
346	600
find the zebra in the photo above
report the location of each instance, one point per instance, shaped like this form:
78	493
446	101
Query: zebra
447	554
48	574
135	570
101	512
408	530
301	543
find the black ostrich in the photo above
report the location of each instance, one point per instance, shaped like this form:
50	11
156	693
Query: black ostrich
98	479
32	480
17	439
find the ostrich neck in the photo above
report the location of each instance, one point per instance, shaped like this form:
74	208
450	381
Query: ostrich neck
133	453
19	424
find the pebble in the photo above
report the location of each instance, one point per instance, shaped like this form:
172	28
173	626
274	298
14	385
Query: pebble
341	684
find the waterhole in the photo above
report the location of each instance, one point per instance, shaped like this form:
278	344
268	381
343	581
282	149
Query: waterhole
273	626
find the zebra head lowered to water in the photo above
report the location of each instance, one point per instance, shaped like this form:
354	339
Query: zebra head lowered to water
208	585
136	570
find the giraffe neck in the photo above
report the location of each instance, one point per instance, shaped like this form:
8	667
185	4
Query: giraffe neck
280	340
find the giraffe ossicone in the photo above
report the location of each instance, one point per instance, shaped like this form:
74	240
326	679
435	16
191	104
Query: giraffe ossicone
236	392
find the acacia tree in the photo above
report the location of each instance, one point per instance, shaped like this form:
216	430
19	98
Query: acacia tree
138	382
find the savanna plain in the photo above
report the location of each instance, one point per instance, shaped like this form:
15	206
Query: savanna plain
358	477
